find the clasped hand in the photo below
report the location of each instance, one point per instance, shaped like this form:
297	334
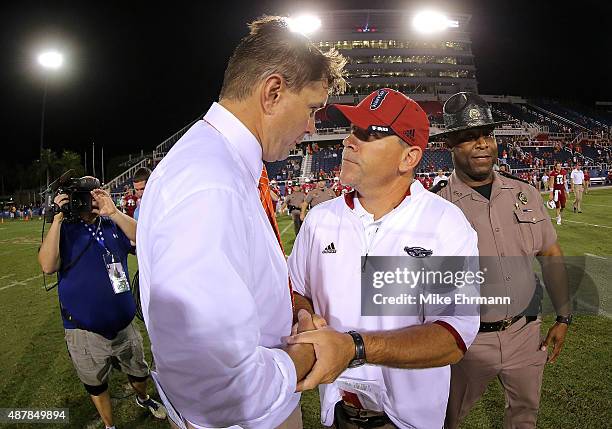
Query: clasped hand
333	351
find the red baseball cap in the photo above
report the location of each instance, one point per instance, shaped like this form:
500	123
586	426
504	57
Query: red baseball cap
386	111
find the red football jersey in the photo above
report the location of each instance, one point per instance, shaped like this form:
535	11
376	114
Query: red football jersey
346	188
307	187
558	179
130	205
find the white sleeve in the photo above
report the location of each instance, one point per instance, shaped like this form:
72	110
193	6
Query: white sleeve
299	260
459	239
203	321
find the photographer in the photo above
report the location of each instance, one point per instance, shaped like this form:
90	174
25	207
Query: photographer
88	250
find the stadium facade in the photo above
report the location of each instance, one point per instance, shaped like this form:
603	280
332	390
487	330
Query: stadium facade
384	50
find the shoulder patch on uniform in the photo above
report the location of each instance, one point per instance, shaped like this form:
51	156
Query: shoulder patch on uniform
439	186
510	176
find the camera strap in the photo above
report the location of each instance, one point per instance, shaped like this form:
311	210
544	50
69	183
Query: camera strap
75	260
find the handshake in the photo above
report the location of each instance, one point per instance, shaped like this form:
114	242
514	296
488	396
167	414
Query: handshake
319	352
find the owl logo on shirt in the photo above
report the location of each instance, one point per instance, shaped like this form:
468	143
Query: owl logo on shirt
418	252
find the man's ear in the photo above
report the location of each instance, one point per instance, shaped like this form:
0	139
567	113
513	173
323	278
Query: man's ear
270	92
411	156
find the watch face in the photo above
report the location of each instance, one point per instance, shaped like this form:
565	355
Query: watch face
356	363
567	320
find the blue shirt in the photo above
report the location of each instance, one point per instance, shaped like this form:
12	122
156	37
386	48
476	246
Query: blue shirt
85	290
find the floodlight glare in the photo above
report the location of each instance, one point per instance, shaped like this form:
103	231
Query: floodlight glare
432	22
304	24
51	59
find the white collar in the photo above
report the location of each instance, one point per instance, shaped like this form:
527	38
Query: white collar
239	136
366	217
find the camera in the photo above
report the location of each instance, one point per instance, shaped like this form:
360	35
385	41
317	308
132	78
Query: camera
78	191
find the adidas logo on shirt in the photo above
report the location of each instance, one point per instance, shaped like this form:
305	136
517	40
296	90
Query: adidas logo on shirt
330	248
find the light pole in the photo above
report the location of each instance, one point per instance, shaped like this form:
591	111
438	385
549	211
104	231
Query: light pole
50	61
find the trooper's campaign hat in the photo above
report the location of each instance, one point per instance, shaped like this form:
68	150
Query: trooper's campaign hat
464	111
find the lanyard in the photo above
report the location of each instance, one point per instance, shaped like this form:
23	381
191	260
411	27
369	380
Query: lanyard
97	236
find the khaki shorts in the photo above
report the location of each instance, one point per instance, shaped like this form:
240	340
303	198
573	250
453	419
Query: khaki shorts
92	354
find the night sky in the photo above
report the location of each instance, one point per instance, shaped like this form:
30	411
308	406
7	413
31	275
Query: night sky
139	71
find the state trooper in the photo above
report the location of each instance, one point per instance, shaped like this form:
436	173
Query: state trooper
315	197
513	225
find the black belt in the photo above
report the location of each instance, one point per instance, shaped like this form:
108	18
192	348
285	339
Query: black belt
362	418
502	325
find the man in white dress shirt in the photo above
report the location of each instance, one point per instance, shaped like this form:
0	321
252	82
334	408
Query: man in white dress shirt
398	366
214	283
441	176
577	182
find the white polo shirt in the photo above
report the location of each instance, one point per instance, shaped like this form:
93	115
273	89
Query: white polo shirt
410	397
213	281
577	177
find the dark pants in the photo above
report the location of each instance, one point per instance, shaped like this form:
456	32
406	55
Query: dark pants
297	223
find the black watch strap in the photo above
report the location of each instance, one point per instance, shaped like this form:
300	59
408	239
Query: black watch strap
564	319
360	356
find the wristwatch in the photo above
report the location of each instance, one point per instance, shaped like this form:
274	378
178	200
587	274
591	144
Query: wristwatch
565	319
360	356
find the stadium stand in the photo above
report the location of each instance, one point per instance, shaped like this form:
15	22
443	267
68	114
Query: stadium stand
434	159
327	159
286	169
589	122
544	132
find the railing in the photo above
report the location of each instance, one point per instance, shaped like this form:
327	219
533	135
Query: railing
159	152
579	137
306	165
162	149
536	143
126	175
559	117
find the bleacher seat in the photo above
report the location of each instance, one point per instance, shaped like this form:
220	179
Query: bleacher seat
275	169
326	159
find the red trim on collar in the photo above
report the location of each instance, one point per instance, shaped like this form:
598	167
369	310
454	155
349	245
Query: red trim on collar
349	198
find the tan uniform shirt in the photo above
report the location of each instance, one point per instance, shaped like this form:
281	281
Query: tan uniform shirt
318	196
295	199
512	227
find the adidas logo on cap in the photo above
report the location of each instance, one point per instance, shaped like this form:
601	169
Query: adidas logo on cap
330	248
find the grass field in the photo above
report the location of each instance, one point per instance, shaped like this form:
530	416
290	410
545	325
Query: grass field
35	370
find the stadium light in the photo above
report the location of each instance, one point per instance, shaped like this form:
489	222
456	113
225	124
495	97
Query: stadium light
51	60
432	22
304	24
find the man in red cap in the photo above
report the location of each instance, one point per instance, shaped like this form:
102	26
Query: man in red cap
388	214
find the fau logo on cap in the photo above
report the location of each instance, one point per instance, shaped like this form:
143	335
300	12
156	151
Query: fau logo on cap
377	101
